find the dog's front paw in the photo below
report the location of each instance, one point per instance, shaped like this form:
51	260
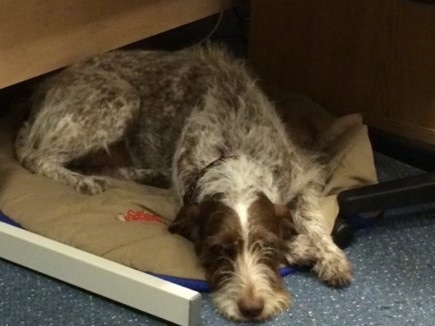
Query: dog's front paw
92	185
334	269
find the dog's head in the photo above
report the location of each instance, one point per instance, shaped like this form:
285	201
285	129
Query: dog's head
241	250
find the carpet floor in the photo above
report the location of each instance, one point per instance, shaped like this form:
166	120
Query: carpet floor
394	282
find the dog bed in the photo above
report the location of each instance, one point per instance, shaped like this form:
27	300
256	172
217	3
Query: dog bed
128	223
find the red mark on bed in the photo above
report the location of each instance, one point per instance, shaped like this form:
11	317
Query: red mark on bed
132	215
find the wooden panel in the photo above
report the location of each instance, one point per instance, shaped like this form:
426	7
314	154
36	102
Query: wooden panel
37	36
374	57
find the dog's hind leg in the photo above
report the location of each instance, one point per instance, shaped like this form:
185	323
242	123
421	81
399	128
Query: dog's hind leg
52	166
74	120
143	176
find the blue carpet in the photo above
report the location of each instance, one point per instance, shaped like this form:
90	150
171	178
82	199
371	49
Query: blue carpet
394	283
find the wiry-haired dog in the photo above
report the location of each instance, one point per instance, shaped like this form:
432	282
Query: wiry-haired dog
197	118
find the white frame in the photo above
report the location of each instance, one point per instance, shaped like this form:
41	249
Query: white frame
120	283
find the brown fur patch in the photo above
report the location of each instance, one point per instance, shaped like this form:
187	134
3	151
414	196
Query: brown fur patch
216	232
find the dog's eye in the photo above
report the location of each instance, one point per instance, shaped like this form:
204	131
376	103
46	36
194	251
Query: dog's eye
218	249
224	249
266	240
268	245
262	244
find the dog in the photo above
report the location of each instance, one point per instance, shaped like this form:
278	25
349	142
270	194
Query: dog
196	120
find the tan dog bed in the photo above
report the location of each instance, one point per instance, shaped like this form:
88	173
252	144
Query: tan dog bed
128	223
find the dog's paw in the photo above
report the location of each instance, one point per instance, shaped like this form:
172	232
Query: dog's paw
92	185
334	269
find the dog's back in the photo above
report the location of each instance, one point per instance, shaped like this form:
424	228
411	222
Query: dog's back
204	89
144	100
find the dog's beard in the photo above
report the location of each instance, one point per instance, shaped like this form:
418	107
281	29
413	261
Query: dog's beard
252	291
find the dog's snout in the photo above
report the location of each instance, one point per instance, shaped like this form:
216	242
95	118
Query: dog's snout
251	307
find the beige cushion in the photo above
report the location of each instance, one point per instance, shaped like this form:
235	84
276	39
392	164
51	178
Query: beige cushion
95	223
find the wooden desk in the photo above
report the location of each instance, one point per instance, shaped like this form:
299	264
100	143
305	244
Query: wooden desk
373	57
38	36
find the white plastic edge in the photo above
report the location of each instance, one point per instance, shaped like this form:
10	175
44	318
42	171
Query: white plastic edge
120	283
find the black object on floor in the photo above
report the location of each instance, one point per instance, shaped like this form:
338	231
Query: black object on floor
407	191
413	190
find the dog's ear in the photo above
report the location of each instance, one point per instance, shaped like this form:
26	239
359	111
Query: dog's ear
186	222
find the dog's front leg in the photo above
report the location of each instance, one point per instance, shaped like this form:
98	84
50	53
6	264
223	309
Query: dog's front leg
314	244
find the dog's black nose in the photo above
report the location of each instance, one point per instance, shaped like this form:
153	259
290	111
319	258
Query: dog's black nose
251	307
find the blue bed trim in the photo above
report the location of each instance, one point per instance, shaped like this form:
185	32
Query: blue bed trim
7	220
197	285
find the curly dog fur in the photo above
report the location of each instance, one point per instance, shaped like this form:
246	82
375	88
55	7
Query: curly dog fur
196	120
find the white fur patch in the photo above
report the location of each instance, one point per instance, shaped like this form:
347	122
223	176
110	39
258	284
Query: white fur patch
239	179
242	212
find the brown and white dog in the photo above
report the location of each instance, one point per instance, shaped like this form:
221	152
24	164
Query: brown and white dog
197	119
